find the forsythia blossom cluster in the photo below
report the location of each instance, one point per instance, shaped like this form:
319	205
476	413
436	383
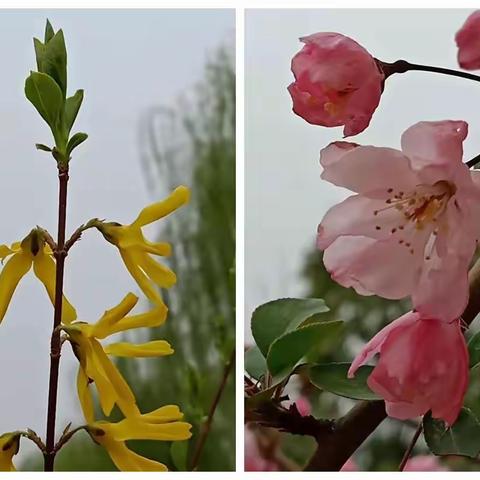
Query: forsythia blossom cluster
409	230
95	366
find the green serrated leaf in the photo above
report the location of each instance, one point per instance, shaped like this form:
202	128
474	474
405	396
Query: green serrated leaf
255	363
332	377
46	96
72	106
289	349
179	455
52	59
44	148
463	438
273	319
75	141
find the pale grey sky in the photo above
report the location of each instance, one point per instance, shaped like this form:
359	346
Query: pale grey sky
127	61
285	198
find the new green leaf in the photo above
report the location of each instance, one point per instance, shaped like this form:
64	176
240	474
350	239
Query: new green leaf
72	106
332	377
46	97
75	141
273	319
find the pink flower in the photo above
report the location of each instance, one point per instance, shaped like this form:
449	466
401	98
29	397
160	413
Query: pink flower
412	227
303	406
254	462
468	43
423	366
337	82
350	466
424	463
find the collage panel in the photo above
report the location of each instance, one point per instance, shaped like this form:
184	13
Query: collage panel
361	227
117	284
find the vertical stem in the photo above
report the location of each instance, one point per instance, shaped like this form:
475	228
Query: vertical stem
207	425
55	345
410	448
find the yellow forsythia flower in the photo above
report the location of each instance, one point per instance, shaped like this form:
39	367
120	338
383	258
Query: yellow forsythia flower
135	249
161	424
9	445
97	367
32	250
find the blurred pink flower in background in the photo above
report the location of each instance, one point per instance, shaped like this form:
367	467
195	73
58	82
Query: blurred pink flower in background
424	463
303	406
350	466
254	462
423	365
468	43
412	228
337	82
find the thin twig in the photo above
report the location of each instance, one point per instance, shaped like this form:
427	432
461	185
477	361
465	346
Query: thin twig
77	234
32	436
410	448
208	424
67	435
55	345
402	66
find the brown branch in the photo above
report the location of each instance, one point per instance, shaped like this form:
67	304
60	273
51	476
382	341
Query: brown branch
410	448
77	234
354	428
273	415
55	345
208	424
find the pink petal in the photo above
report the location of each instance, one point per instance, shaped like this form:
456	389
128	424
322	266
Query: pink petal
375	344
356	216
468	43
435	144
370	266
349	165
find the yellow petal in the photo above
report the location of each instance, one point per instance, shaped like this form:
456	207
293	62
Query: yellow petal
120	454
102	328
44	268
5	251
107	395
145	464
167	413
11	274
125	398
153	318
162	249
136	429
160	274
9	445
158	210
85	396
155	348
142	280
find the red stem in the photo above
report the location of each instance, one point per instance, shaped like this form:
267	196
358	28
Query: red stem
55	346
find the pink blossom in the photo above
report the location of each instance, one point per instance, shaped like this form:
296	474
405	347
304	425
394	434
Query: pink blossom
468	43
337	82
424	463
350	466
303	406
412	227
423	366
254	462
